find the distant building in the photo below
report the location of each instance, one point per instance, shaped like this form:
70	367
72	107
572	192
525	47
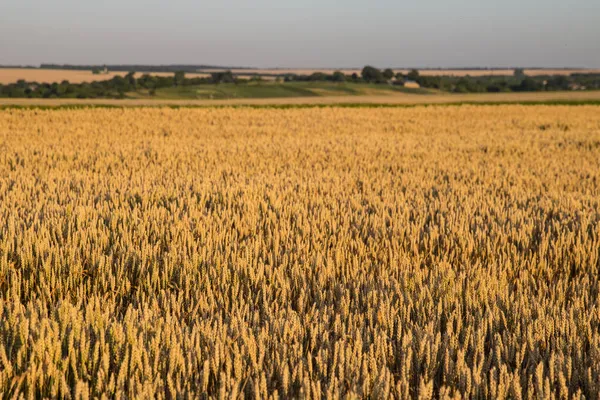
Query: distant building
576	86
411	85
98	71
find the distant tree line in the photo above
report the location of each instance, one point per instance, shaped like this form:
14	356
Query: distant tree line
518	82
118	86
4	66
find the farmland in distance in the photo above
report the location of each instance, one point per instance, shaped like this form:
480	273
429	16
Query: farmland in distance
12	75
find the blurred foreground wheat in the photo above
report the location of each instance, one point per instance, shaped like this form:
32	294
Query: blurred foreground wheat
321	253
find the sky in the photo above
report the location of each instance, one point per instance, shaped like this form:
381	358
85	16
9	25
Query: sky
303	34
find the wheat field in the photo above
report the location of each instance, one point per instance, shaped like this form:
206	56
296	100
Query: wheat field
430	252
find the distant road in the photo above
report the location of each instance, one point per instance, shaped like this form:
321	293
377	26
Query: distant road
397	98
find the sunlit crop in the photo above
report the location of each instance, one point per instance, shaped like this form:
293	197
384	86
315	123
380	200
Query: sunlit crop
421	252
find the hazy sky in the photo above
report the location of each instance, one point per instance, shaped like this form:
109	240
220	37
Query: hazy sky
308	33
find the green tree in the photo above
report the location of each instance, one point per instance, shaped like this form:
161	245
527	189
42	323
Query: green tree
338	76
388	74
317	76
529	85
413	75
179	78
519	73
130	78
559	82
372	74
222	77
